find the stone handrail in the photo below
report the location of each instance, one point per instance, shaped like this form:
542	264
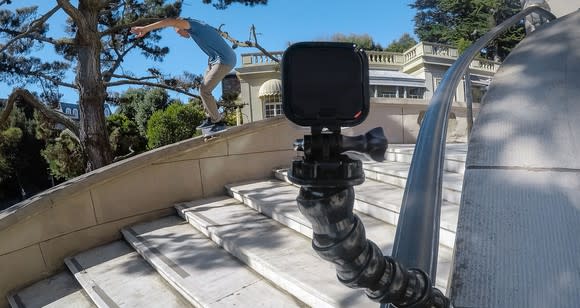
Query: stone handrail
421	206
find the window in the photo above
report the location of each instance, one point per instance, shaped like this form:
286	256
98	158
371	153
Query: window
436	82
272	106
67	111
416	93
75	113
387	91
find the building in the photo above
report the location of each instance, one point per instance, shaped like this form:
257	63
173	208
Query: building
413	74
73	110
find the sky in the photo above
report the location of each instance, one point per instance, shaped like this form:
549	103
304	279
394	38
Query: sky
278	23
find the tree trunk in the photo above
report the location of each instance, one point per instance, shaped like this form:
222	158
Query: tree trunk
92	92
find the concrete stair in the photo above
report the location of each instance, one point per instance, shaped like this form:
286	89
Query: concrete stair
249	249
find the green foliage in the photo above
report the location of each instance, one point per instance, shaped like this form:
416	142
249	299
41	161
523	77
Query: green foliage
124	135
364	41
405	42
176	123
460	22
65	157
139	104
9	140
22	169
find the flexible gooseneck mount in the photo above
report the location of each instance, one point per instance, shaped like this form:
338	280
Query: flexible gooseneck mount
326	199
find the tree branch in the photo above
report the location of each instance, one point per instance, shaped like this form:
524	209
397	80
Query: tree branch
133	78
71	11
120	57
254	44
52	41
151	84
22	95
33	25
54	80
139	22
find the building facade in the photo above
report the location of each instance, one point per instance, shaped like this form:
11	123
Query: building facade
399	83
413	74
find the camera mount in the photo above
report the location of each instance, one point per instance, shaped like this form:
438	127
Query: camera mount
326	199
325	87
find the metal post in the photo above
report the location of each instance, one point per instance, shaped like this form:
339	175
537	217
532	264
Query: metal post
469	102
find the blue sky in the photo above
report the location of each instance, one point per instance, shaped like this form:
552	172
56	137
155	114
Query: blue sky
279	22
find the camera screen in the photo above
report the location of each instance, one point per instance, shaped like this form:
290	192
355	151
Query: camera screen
325	84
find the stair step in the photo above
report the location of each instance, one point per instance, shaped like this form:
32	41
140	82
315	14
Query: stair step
383	201
396	173
114	275
277	200
280	254
60	290
201	271
455	155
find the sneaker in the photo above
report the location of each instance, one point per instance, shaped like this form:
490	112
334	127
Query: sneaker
206	123
216	128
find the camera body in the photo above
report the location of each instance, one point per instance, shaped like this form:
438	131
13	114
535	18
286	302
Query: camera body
325	84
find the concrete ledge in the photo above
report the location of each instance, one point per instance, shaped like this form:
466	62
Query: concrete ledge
91	209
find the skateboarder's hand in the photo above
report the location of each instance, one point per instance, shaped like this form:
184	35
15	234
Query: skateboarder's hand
139	31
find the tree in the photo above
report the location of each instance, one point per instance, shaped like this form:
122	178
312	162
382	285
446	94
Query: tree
22	170
405	42
176	123
98	40
124	136
460	22
364	41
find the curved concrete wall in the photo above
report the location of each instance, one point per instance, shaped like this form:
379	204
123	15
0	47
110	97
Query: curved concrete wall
37	234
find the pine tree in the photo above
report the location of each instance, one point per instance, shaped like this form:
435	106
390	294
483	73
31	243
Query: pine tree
96	42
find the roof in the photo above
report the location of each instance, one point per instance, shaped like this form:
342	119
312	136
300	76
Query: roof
394	78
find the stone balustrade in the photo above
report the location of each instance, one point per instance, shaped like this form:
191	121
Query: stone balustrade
385	57
378	58
485	65
260	58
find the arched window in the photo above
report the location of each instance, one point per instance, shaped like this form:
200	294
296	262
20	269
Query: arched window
67	111
76	113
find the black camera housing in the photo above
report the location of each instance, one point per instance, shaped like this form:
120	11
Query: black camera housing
325	84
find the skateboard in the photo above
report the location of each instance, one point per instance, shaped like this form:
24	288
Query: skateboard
208	134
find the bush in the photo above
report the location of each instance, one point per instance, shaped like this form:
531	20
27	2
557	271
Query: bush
177	122
124	135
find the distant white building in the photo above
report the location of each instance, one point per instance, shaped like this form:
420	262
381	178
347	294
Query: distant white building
73	110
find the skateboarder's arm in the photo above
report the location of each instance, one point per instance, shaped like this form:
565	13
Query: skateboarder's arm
168	22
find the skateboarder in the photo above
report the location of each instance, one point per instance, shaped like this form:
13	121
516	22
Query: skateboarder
222	60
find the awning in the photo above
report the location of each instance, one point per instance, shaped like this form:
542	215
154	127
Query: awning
394	78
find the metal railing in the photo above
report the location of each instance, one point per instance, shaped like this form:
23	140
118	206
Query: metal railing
417	237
